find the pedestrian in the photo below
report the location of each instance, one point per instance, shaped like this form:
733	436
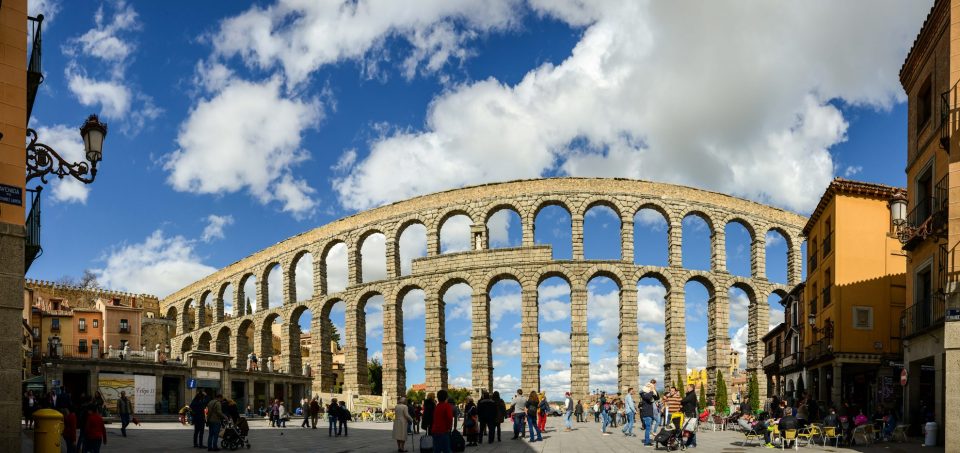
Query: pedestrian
630	410
429	404
333	414
470	428
197	406
441	424
30	404
648	397
124	409
282	415
401	421
604	413
487	412
519	408
100	402
543	410
532	406
578	411
314	408
275	413
501	415
94	432
343	416
70	430
214	420
305	411
568	412
689	407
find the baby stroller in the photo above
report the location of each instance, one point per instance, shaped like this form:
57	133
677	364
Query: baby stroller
235	434
671	436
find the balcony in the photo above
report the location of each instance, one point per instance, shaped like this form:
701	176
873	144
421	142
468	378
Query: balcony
791	360
924	315
124	330
947	102
821	348
32	249
812	309
771	360
34	69
929	216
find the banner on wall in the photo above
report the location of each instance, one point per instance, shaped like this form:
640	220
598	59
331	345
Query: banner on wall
141	390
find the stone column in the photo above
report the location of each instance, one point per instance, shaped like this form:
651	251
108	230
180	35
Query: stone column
628	372
218	304
201	314
718	339
758	256
433	241
626	239
435	344
675	340
579	344
393	257
291	361
674	243
480	342
355	368
326	378
794	262
288	277
758	322
319	275
527	220
394	369
576	224
354	269
183	322
529	339
718	252
262	292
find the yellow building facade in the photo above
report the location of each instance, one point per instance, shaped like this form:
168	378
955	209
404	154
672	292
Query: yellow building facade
855	293
929	225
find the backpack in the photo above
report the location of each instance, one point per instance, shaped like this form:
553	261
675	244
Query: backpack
457	443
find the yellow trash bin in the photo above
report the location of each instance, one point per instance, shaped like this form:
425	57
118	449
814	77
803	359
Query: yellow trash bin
47	431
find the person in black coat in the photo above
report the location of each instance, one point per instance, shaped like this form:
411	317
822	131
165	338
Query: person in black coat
487	416
429	404
689	407
197	406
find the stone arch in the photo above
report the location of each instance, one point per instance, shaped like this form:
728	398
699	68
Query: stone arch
499	275
652	205
172	316
497	206
203	343
554	271
291	271
704	215
605	270
242	344
443	221
591	242
223	340
187	321
204	311
601	201
658	276
268	292
404	263
221	312
243	297
559	245
562	202
363	264
267	346
747	289
186	345
295	359
746	224
489	232
325	281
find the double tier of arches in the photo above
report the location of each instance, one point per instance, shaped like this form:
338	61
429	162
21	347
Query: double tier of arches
351	262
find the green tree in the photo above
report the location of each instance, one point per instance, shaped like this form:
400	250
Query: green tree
457	396
416	396
249	307
332	328
722	400
702	402
375	376
754	392
680	385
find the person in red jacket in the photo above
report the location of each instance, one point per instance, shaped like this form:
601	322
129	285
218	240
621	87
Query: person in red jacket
442	424
95	434
70	430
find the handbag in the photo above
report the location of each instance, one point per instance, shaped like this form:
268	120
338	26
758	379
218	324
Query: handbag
469	423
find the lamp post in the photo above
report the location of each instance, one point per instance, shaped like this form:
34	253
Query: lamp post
43	160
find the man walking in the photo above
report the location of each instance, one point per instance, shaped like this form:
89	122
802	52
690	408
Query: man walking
197	406
314	412
124	409
305	411
442	424
214	419
568	412
689	407
519	412
630	409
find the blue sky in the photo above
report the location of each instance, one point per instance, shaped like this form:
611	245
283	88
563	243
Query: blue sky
235	125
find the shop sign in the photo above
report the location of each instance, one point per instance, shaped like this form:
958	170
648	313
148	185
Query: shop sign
210	364
953	314
191	383
204	374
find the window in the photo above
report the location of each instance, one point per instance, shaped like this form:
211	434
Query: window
55	304
82	325
863	318
96	323
827	245
924	194
813	300
827	287
36	332
55	324
82	346
124	325
924	104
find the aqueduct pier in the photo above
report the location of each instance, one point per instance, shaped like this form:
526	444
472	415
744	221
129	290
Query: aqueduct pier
481	268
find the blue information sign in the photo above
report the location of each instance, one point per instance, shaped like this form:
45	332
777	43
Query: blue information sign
191	383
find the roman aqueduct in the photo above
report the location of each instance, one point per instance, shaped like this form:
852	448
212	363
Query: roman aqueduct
481	268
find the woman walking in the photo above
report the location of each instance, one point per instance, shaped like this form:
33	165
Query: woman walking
282	415
470	427
429	405
401	421
533	404
542	413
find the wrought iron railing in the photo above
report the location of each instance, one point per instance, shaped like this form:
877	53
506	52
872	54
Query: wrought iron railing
32	248
924	314
812	262
34	69
948	99
771	359
827	245
789	360
820	348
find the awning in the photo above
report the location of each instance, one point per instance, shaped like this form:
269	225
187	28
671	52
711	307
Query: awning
34	383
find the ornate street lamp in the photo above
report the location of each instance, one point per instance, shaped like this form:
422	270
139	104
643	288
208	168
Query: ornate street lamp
43	160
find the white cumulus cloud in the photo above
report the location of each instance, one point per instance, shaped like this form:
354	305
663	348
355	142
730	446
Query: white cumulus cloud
159	265
215	226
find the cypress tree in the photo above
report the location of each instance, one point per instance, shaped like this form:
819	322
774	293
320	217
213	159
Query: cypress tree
754	392
680	385
702	402
721	402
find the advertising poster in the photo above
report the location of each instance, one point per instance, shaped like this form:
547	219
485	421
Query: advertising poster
141	390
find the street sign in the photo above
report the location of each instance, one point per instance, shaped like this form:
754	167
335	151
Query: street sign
191	383
903	377
953	314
